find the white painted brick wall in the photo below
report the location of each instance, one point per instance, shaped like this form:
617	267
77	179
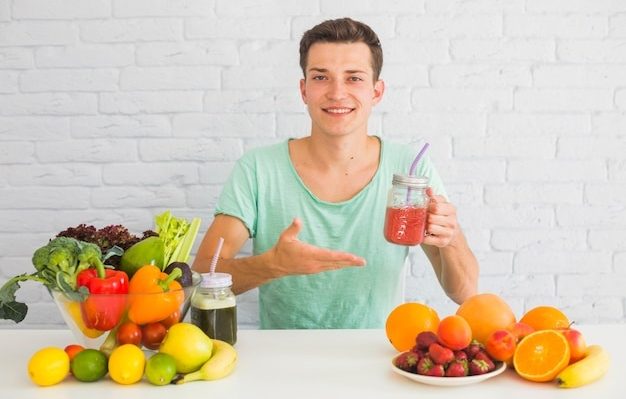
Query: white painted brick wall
114	110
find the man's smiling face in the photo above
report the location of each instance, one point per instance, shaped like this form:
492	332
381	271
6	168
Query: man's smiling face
339	88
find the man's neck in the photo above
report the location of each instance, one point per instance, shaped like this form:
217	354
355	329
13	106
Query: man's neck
341	153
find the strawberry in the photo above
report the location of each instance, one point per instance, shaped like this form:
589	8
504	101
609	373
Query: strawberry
485	358
407	361
424	339
457	368
437	371
460	355
419	352
477	367
440	354
473	348
424	365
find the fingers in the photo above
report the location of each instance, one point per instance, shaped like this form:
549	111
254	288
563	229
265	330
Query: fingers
291	232
442	222
339	259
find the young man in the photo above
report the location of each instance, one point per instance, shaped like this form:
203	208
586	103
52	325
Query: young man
315	206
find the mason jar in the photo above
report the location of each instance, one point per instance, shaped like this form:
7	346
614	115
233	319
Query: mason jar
407	210
214	308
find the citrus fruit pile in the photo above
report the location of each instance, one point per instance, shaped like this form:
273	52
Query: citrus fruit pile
186	354
126	365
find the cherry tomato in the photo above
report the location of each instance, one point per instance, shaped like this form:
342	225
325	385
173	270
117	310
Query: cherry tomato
172	319
73	350
153	334
129	333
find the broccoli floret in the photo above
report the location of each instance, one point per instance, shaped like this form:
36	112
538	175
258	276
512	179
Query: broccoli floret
60	254
89	256
62	258
40	258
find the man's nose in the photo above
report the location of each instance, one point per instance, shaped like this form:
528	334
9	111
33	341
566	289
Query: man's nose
337	90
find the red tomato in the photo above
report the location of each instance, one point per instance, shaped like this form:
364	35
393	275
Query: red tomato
73	350
129	333
172	319
153	334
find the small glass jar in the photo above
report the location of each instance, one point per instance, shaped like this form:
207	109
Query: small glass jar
407	210
214	308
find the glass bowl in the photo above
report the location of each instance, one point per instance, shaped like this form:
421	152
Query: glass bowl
113	310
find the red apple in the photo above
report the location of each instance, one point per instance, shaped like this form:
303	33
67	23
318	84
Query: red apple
520	330
501	345
577	345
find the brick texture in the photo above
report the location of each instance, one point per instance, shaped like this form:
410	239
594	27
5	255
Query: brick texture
114	110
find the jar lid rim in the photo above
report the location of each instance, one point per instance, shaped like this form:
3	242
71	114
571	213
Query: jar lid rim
216	280
410	180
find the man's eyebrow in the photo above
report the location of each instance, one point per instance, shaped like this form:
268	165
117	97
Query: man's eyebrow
324	70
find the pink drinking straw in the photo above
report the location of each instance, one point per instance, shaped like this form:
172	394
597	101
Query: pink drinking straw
413	166
417	159
216	255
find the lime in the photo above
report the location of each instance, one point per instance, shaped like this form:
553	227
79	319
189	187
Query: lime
161	369
89	365
126	364
48	366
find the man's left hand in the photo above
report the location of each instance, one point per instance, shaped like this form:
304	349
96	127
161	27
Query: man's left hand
442	225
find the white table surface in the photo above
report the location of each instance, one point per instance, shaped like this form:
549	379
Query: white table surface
299	364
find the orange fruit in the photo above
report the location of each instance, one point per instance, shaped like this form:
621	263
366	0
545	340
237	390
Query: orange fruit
545	318
541	355
485	314
454	332
406	321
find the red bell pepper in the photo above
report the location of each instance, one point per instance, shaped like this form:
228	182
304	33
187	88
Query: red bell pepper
102	311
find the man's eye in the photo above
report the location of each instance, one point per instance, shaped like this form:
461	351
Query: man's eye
355	79
319	77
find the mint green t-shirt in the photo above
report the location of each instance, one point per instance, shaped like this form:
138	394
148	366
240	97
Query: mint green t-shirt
265	192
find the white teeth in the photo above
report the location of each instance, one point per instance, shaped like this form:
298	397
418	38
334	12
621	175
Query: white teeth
338	110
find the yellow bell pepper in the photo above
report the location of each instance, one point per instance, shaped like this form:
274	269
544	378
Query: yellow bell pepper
73	309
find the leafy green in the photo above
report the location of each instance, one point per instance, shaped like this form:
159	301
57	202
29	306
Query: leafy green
181	254
178	236
57	264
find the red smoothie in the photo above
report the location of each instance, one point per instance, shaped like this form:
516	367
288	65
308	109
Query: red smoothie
406	225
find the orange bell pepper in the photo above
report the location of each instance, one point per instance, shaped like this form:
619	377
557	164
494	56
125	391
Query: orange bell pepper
154	295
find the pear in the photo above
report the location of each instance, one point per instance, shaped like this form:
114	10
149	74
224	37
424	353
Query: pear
188	345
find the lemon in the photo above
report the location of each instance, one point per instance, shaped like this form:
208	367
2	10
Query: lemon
48	366
161	369
126	364
89	365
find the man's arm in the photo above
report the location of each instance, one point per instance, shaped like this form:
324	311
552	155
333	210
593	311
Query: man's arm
445	246
288	256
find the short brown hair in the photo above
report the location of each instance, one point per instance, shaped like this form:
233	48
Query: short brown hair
342	30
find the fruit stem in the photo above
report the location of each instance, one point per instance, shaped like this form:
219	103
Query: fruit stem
181	379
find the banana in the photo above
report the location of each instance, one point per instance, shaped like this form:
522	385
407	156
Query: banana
221	363
587	370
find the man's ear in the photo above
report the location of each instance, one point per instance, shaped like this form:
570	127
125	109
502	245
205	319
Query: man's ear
303	89
379	90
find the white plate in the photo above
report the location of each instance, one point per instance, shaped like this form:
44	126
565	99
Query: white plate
448	381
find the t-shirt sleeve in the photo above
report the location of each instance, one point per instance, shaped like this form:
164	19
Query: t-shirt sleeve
239	195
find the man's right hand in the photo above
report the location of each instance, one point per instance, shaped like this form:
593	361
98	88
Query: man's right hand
292	256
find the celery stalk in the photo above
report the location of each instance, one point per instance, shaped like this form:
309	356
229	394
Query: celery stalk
181	254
